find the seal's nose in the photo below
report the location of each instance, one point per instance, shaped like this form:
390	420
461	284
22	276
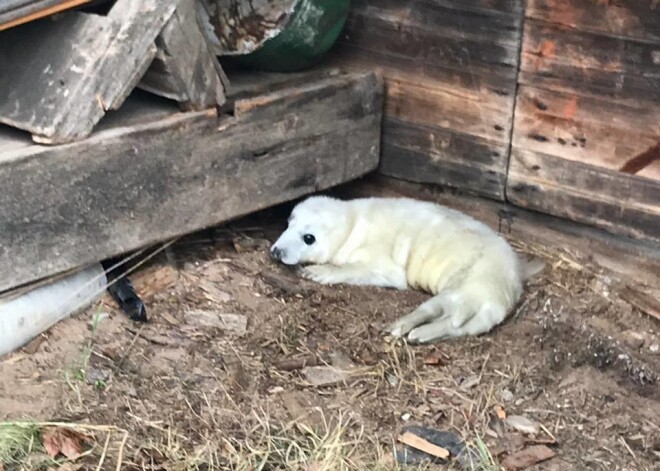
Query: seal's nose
276	253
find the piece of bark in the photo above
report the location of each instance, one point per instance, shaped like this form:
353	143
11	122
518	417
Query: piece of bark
412	440
527	457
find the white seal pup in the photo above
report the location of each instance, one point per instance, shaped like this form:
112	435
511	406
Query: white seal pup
474	274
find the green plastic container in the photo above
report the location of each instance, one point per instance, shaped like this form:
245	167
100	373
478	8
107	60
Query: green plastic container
312	30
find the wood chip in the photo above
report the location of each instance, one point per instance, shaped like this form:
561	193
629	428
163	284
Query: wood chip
291	364
527	457
33	347
522	424
432	359
324	375
154	280
285	284
213	293
412	440
645	302
235	323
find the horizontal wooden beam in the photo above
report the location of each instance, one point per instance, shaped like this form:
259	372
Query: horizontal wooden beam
130	185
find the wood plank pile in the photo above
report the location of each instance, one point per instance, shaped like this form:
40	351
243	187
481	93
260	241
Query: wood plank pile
553	105
121	130
62	74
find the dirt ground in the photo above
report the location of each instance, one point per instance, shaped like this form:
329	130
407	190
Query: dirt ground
189	390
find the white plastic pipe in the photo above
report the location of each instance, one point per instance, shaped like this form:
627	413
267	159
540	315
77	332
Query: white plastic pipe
28	315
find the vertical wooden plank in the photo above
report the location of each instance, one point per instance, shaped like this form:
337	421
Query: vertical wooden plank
186	67
450	70
587	123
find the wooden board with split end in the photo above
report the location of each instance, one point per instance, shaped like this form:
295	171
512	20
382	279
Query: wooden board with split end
450	70
129	186
185	67
74	68
586	136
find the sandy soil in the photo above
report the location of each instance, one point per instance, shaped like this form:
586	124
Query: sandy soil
187	391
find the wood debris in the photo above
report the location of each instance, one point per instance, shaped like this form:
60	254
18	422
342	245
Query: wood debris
412	440
523	424
325	375
643	301
235	323
527	457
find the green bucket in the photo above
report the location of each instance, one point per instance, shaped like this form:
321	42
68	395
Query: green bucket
313	28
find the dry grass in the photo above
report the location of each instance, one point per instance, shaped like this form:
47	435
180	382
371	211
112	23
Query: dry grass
199	421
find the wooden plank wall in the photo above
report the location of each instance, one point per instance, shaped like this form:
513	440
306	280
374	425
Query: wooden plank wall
450	69
553	105
586	140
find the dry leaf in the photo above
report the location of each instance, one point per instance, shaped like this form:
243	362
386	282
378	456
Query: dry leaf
500	412
432	359
527	457
412	440
60	440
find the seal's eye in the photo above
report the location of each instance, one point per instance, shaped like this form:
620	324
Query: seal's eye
309	239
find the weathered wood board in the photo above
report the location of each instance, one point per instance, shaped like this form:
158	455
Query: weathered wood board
60	82
185	67
586	138
128	186
18	12
450	69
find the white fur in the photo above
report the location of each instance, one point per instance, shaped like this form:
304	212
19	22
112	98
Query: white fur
475	276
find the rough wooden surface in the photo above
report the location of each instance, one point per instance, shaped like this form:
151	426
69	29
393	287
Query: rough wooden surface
586	138
75	68
125	187
185	67
17	12
450	69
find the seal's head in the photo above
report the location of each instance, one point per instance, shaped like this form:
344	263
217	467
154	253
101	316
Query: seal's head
317	228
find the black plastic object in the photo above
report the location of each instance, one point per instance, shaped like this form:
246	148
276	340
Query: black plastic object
122	291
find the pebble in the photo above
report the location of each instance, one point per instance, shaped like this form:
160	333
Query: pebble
506	395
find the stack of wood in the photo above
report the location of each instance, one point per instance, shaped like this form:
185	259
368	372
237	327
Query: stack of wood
77	66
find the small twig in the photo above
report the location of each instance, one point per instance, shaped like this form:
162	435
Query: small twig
105	451
544	428
120	455
625	444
